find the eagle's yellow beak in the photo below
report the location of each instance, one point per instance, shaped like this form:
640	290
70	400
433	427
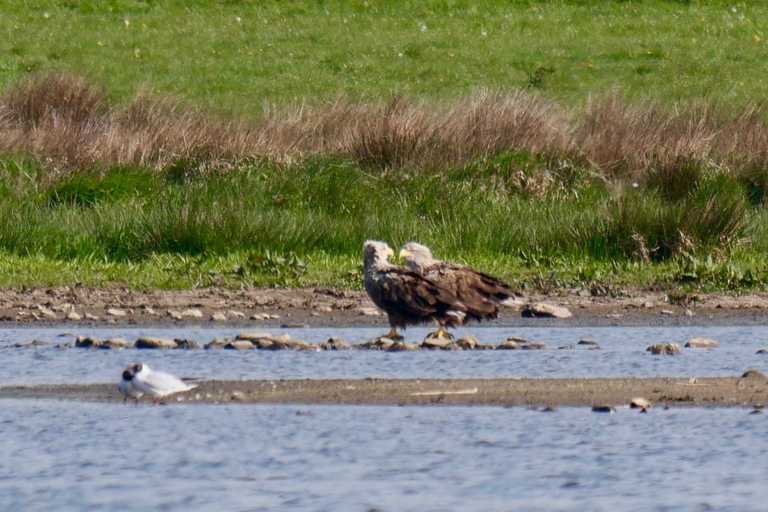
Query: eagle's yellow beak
390	252
404	253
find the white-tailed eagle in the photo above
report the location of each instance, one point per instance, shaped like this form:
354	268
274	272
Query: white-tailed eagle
479	293
405	296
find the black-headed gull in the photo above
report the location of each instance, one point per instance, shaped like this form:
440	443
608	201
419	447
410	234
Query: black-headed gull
157	384
127	387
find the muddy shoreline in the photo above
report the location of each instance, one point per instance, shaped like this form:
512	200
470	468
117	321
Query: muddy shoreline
531	392
325	307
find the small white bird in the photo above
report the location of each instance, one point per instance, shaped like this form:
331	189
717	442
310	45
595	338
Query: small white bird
156	384
127	387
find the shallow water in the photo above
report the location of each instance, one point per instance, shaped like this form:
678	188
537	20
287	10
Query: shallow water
89	456
622	354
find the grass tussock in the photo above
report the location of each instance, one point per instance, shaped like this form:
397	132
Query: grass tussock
524	183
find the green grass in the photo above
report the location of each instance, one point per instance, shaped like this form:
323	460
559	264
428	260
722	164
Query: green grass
540	220
234	56
303	224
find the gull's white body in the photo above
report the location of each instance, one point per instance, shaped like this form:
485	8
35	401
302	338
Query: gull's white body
157	384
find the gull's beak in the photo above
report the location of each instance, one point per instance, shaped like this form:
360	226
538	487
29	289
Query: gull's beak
404	253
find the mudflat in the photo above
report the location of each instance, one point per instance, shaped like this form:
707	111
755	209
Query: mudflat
749	390
320	306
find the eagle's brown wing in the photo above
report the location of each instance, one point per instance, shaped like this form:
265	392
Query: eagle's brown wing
414	299
479	292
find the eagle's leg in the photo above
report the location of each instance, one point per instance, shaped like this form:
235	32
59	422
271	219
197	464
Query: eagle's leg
440	333
393	334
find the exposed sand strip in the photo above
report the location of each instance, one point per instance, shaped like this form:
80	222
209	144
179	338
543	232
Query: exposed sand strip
701	392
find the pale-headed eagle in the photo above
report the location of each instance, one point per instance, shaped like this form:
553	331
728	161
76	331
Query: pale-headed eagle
406	297
480	293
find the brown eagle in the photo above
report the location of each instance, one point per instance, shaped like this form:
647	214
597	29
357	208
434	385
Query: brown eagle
406	297
479	293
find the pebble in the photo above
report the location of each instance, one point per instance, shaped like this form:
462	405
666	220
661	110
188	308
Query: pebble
236	314
509	345
542	309
588	342
239	345
175	315
368	312
89	316
152	342
192	313
116	312
639	403
115	344
218	343
186	343
218	317
74	316
537	345
88	342
754	375
335	343
702	343
668	349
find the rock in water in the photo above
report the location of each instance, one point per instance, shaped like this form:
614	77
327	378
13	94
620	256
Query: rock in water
151	342
702	343
664	349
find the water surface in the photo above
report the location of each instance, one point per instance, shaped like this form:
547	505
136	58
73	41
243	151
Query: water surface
88	456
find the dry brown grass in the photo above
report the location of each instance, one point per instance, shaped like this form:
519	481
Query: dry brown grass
63	119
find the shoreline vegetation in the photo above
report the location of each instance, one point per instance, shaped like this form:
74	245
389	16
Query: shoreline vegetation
154	194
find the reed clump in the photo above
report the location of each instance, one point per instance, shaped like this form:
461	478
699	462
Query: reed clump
82	177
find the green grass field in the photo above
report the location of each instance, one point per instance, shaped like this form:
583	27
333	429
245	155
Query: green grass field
233	56
567	214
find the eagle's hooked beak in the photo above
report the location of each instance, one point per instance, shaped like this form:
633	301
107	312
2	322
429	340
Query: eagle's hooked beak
390	252
404	253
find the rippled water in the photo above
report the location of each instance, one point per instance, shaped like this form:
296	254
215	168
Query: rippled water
88	456
622	354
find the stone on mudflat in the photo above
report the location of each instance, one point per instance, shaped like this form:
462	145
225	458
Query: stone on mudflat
192	313
536	345
74	316
509	345
175	315
588	342
116	312
544	310
754	375
152	342
89	316
335	343
218	317
664	349
604	409
702	343
468	342
88	342
517	339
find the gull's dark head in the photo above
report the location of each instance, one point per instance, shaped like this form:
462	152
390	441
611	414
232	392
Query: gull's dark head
127	375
